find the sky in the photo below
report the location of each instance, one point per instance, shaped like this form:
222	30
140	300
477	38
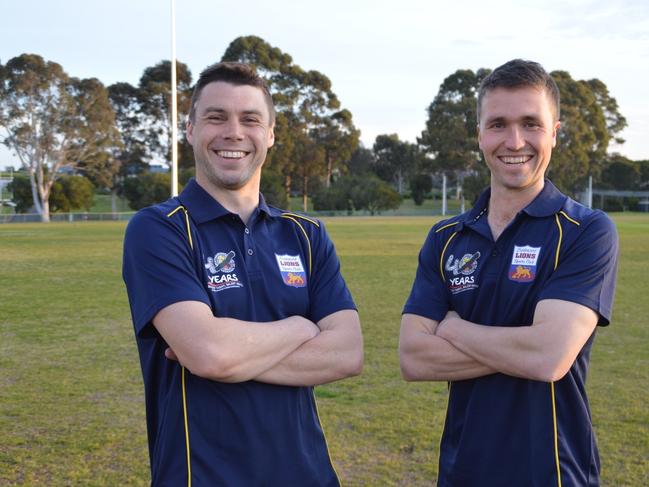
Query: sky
385	59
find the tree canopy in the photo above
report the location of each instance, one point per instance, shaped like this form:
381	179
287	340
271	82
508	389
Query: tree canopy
314	136
53	121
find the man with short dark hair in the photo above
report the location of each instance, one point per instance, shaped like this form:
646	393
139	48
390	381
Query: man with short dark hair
506	301
239	309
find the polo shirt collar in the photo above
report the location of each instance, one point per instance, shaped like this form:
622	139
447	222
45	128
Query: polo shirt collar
203	207
548	202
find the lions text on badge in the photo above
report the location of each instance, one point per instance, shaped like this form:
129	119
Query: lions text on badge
291	270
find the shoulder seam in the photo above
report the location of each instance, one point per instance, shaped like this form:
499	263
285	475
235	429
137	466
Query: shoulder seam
446	226
571	220
288	214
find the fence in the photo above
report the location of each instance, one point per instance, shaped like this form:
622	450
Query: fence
123	216
66	217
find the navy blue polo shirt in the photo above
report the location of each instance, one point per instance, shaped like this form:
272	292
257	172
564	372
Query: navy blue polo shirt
190	248
502	430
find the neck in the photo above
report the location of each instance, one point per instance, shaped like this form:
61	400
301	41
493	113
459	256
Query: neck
505	204
242	201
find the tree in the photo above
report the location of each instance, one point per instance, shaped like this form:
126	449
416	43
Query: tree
147	189
308	112
21	191
450	136
396	160
643	167
72	193
362	161
420	185
373	194
339	138
621	173
130	154
68	193
154	111
589	120
52	121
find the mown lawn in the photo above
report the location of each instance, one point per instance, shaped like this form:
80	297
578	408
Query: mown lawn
71	402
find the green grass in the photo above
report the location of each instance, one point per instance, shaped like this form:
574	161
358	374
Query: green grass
71	396
101	203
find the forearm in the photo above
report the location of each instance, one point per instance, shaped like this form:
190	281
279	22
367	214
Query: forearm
425	356
509	350
226	349
336	353
543	351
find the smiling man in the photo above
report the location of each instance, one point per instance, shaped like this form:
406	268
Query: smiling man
506	301
239	309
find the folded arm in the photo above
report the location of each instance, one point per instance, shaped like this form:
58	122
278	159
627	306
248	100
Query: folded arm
226	349
425	356
335	353
544	351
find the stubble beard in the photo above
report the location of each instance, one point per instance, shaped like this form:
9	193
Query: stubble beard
220	179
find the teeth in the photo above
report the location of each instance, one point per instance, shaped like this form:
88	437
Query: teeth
514	159
229	154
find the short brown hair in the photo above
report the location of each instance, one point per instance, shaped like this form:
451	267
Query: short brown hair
518	73
236	74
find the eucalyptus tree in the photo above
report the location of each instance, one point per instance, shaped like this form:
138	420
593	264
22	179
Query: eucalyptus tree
52	121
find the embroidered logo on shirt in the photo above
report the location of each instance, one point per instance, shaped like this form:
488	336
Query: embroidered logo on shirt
523	266
463	268
292	270
221	267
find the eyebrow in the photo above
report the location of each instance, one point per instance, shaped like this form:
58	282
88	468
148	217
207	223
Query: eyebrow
524	118
212	109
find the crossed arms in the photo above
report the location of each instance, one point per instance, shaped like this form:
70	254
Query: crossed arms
293	351
456	349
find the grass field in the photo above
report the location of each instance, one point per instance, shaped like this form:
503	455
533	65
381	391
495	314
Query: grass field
71	399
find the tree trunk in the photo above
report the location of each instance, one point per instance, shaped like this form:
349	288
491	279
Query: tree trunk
35	199
113	200
44	191
330	165
287	190
45	214
305	190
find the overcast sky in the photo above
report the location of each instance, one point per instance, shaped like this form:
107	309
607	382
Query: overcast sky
386	59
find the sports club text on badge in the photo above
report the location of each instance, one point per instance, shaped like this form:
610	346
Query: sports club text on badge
523	266
291	269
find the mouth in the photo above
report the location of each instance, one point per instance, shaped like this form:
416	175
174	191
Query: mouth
515	160
231	154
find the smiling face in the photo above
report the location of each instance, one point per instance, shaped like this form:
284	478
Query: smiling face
517	132
231	134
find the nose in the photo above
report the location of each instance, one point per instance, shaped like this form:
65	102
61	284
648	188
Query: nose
233	130
515	139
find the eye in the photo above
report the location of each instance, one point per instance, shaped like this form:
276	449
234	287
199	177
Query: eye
215	117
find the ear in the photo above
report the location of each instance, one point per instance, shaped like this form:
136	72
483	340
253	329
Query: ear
189	131
477	127
271	136
555	130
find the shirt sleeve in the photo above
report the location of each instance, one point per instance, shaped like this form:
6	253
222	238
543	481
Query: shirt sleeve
158	268
587	268
328	290
429	296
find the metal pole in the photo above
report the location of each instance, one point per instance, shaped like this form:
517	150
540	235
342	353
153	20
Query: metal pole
443	194
174	106
590	191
